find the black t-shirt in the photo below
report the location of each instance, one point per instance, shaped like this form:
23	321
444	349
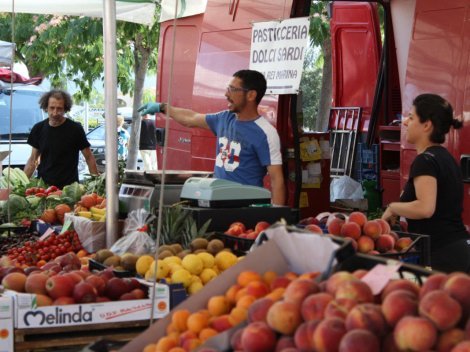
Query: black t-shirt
446	225
148	139
59	148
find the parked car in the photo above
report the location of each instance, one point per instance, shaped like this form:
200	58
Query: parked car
96	137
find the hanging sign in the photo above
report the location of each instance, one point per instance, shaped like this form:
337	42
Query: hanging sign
278	51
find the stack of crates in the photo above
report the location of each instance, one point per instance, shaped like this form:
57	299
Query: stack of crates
366	166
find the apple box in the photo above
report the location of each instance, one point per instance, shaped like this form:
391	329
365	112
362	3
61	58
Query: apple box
28	315
282	253
6	324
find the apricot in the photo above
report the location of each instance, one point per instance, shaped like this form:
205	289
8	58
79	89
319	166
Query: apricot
269	277
280	281
237	315
276	294
245	301
179	319
165	344
207	333
218	305
221	323
197	321
257	289
415	334
231	293
284	317
245	277
440	308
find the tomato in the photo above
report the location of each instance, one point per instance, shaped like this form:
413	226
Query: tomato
41	195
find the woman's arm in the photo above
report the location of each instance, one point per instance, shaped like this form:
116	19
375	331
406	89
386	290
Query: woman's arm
423	207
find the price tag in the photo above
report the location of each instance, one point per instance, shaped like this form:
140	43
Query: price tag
46	234
380	275
66	226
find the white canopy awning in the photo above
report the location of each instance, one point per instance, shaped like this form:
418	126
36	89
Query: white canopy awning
137	11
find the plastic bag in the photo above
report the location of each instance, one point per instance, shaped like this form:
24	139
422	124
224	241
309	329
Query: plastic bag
136	239
92	234
345	187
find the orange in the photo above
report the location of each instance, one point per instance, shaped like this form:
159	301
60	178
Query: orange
218	305
179	319
197	321
245	277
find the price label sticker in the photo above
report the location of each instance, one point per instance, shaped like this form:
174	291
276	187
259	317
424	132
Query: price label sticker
380	275
66	226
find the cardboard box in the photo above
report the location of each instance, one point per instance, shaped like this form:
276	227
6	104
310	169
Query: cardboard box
6	325
270	256
26	314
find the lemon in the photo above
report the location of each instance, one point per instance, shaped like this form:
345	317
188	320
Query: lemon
207	259
174	267
225	260
181	276
143	264
193	264
207	275
195	278
162	269
195	287
172	259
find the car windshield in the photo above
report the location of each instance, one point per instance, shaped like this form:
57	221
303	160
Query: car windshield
26	113
98	133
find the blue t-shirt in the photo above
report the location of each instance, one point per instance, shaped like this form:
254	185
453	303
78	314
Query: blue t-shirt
123	139
244	148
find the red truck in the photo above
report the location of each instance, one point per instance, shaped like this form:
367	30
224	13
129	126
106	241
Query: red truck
426	48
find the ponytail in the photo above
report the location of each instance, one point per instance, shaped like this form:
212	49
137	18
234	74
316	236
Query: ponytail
456	124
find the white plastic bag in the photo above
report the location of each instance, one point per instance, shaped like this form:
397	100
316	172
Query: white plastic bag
345	187
136	240
92	234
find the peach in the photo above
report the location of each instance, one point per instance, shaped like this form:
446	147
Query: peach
259	310
304	335
367	316
313	306
398	304
328	335
334	226
337	279
356	290
36	283
261	226
257	289
311	220
395	237
365	244
359	340
15	281
433	282
458	287
353	243
372	229
384	243
339	308
351	229
463	346
400	284
440	308
284	317
220	323
415	334
236	340
402	243
448	339
388	344
258	337
280	281
284	342
299	289
314	229
384	225
358	217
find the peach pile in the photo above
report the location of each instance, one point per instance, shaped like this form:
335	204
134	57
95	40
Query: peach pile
368	236
239	229
339	314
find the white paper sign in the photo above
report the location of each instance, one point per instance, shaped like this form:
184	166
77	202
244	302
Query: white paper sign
278	51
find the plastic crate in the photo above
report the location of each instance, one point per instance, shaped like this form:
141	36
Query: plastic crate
236	244
419	252
94	265
366	166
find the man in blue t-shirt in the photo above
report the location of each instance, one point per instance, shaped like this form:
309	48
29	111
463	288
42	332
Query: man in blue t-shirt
248	146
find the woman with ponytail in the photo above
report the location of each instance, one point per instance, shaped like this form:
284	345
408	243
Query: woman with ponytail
432	199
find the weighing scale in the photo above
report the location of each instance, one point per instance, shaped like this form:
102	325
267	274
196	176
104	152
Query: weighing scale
141	189
218	193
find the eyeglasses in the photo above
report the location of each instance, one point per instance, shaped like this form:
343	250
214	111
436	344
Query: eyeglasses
232	89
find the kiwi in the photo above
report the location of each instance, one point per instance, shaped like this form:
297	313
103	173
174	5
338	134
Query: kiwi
102	255
128	261
176	248
182	254
164	254
200	251
114	261
165	247
215	246
119	268
198	243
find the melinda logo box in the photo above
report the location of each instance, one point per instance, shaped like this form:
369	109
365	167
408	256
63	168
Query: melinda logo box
6	324
28	315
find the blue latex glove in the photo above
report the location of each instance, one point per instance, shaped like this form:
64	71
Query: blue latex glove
149	108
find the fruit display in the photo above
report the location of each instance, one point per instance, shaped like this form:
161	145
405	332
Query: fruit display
239	229
338	314
193	267
10	240
38	253
367	236
91	206
62	282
